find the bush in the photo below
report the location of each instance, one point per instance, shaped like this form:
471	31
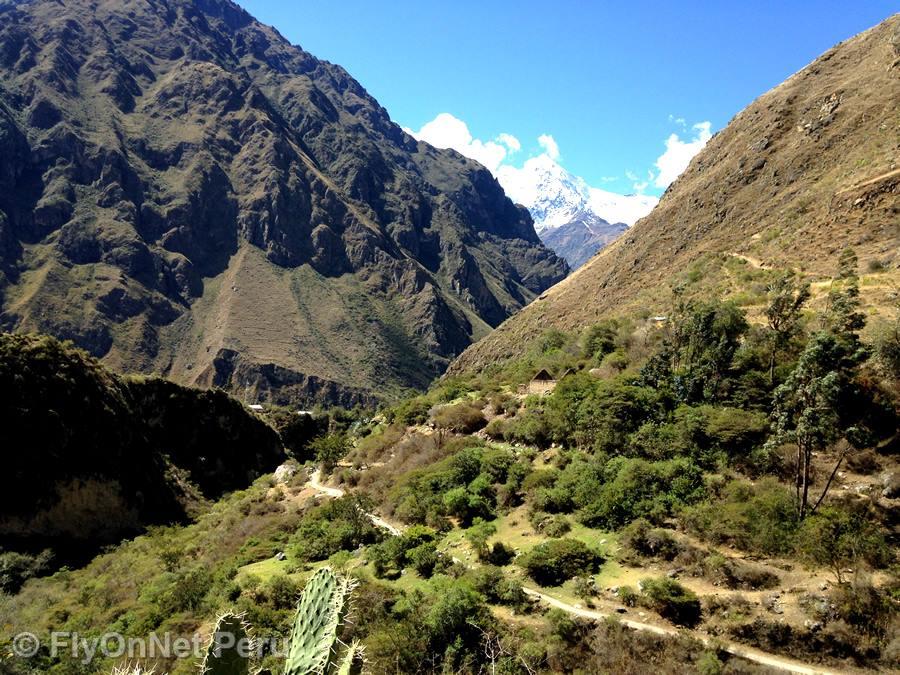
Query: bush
672	600
498	588
555	526
339	525
553	562
836	538
648	541
636	488
17	568
761	518
462	418
736	574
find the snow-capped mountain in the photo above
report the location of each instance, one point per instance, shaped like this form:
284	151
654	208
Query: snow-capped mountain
571	217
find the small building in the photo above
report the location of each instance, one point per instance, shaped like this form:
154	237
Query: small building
255	407
542	383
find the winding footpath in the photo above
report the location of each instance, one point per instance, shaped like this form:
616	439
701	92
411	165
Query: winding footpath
733	648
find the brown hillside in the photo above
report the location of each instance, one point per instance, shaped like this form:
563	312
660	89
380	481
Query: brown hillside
184	192
808	168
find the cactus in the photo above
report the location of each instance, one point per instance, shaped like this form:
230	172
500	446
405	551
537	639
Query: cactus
313	646
353	660
229	649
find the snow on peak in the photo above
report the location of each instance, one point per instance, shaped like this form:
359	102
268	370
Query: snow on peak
556	197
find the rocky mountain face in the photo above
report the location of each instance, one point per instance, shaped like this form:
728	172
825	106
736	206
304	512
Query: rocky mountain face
572	218
184	192
809	168
579	239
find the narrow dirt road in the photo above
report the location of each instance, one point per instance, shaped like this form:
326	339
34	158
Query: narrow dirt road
315	482
748	653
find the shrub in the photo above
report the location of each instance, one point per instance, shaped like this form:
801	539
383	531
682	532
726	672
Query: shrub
636	488
837	539
529	427
648	541
478	535
864	606
17	568
553	562
555	526
497	587
760	518
672	600
736	574
497	428
409	412
462	418
328	450
339	525
628	596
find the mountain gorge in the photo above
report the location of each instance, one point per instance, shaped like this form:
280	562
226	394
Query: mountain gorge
184	192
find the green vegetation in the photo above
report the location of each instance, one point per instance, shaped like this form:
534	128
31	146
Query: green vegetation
557	560
671	600
675	451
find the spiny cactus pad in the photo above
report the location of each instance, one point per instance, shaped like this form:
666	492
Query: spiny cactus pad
320	612
353	661
229	647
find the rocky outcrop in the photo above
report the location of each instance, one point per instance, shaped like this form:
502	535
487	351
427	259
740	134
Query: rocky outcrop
149	145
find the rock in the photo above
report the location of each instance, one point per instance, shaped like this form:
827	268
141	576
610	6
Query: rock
280	556
891	482
285	472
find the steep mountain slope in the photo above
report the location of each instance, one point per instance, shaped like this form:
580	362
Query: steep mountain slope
807	169
182	191
572	218
90	456
580	238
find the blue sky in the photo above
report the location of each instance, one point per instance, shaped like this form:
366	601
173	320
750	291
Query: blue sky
609	81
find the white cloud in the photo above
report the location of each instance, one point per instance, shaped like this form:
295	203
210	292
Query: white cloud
527	183
447	131
548	143
679	153
510	142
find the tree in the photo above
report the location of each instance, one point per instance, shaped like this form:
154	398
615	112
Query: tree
698	350
329	450
844	317
806	409
478	535
787	296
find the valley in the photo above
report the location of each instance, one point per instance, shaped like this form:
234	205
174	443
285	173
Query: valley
274	367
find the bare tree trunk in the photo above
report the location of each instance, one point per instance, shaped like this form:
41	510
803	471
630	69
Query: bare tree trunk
830	479
807	458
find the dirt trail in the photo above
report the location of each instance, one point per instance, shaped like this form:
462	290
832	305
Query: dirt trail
870	181
753	262
748	653
744	652
315	482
